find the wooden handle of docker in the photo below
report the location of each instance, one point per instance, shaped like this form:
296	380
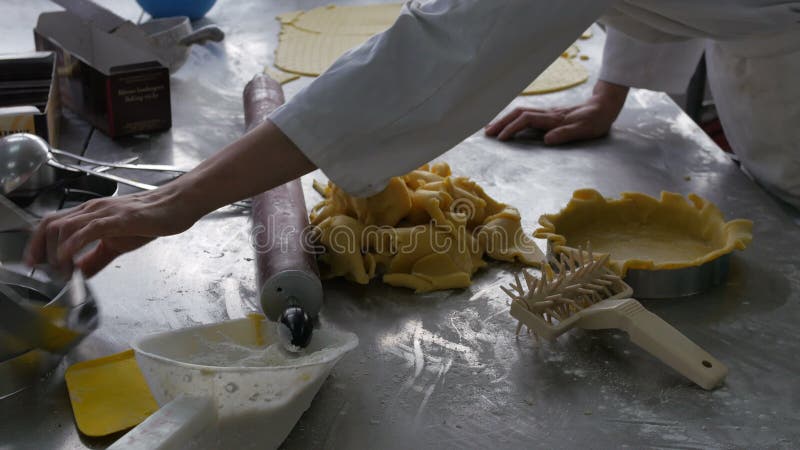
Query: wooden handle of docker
287	274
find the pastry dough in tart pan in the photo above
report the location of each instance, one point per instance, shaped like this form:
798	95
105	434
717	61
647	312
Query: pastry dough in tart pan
643	232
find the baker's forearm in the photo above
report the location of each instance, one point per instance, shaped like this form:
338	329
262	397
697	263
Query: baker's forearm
260	160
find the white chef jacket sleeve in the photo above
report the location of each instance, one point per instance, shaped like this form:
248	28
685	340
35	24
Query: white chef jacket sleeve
665	66
441	72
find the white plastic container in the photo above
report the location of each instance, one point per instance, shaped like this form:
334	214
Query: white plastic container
239	395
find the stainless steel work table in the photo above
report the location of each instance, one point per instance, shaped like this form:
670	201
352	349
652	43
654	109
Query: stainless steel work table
445	369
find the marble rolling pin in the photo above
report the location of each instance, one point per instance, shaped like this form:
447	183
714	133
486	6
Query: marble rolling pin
287	275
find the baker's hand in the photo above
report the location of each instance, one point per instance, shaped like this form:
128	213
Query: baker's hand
257	162
119	225
589	120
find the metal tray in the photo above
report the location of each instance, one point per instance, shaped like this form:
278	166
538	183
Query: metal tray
678	282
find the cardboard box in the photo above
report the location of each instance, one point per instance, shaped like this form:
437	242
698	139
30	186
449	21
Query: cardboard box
29	100
119	88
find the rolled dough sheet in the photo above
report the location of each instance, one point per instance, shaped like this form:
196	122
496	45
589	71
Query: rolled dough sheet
310	41
307	53
289	17
564	73
363	19
279	75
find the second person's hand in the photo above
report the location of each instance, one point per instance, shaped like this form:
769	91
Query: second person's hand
589	120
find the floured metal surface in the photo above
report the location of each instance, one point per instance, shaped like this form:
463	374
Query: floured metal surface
444	369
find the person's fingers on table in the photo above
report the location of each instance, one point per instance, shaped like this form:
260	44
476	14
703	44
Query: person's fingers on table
36	251
52	236
538	120
59	230
588	113
88	230
564	109
567	133
495	127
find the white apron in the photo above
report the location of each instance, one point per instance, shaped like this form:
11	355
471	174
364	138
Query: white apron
756	87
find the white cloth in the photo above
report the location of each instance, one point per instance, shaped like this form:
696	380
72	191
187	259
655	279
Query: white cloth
447	67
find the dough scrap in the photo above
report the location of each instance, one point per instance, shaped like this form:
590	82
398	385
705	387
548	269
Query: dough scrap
564	73
427	231
571	52
642	232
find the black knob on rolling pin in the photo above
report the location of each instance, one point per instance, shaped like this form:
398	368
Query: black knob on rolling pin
295	327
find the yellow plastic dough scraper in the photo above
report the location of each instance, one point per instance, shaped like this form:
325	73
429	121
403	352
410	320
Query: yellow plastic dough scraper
108	394
585	294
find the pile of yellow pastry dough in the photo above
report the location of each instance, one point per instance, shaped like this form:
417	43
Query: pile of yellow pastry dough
311	41
427	231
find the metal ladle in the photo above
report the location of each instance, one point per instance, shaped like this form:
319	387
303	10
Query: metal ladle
19	162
